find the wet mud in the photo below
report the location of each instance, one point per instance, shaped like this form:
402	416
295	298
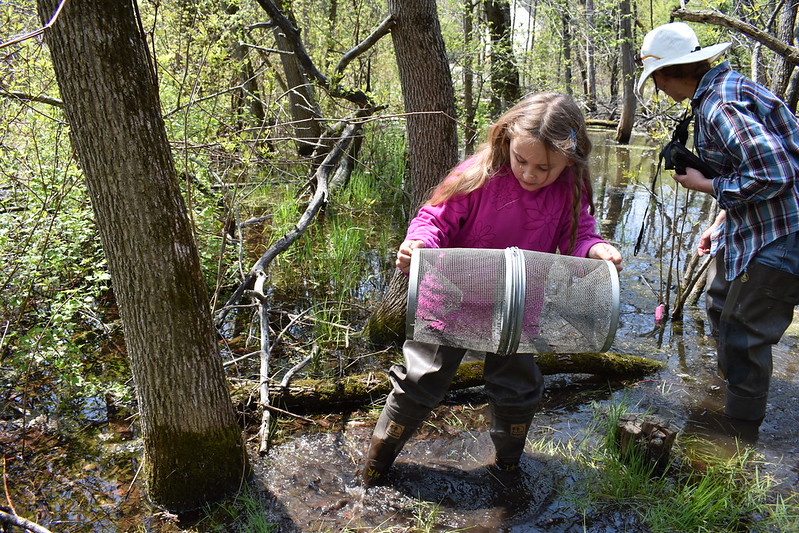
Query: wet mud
440	481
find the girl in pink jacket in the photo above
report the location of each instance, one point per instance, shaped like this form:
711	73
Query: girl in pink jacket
528	186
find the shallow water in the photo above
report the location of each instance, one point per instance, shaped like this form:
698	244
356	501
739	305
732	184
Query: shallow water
438	483
438	478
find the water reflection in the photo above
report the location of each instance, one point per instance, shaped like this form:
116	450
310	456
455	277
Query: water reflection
442	467
309	480
434	469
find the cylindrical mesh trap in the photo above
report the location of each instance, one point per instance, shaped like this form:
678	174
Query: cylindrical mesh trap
512	300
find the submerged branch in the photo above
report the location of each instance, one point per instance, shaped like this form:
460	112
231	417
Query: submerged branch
9	520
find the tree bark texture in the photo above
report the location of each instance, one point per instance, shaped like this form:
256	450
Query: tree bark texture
325	395
427	93
627	118
431	131
505	89
193	449
785	32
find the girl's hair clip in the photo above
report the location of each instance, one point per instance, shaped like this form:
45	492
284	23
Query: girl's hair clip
574	140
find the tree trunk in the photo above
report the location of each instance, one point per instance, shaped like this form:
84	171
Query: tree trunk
302	100
590	57
469	106
627	118
505	90
352	392
566	43
785	32
193	449
431	129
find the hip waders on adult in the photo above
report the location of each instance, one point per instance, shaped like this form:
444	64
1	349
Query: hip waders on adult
750	315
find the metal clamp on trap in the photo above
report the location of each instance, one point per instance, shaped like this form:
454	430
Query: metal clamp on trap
512	300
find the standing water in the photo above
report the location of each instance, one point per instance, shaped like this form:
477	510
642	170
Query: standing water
438	482
307	482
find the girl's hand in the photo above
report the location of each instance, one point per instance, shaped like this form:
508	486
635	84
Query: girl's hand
606	252
404	254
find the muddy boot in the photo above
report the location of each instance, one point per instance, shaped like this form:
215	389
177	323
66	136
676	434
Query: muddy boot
387	441
509	440
712	425
378	460
506	475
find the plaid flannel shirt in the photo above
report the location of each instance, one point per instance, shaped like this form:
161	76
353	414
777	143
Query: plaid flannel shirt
752	138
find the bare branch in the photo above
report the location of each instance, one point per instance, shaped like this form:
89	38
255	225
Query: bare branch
266	353
319	199
24	523
790	53
42	99
299	366
293	35
366	44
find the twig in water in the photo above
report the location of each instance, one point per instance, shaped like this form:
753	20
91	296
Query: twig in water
281	411
15	520
296	368
5	487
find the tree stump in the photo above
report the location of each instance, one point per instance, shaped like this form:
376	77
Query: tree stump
649	437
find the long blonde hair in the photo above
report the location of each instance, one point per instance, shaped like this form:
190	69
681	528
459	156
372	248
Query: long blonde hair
552	118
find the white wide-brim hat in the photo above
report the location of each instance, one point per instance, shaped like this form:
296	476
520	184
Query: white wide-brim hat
674	44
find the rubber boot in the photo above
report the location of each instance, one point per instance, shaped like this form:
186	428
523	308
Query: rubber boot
509	440
387	441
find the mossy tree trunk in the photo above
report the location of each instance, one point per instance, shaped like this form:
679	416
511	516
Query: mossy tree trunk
193	447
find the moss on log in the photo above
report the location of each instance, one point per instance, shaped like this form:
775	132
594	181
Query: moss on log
600	123
319	395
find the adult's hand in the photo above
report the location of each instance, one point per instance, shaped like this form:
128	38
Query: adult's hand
694	181
703	248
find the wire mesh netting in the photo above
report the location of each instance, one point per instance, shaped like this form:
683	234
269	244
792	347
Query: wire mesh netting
505	301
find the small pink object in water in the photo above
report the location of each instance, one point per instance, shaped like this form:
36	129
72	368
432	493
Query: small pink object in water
659	313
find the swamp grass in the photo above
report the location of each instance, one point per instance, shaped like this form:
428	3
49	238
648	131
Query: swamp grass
329	279
698	492
337	270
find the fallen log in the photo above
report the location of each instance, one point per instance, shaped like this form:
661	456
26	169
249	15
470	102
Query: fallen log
601	123
319	395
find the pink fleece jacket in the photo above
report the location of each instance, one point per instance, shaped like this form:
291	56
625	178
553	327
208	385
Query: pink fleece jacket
502	214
